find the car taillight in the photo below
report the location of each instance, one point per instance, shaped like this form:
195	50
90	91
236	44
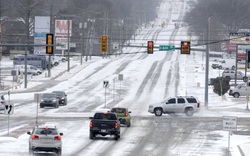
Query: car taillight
116	124
35	137
126	114
198	105
91	124
57	138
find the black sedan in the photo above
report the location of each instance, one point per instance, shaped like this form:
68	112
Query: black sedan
61	96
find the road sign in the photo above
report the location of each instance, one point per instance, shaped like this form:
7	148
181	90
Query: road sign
229	123
9	109
105	84
239	38
166	47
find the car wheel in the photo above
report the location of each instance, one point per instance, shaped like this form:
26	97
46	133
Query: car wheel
189	111
31	151
228	78
245	79
236	95
91	135
59	152
117	136
128	124
158	111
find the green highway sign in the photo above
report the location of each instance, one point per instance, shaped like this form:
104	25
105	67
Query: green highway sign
166	47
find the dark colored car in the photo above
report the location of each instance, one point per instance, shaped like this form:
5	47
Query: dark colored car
49	100
61	96
104	124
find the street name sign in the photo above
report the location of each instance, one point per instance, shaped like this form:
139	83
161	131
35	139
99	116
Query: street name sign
166	47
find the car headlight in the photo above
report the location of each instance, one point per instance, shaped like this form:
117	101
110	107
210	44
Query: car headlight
54	100
42	100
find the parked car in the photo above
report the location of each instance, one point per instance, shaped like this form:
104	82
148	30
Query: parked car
216	66
2	102
49	100
32	70
123	115
61	96
45	139
240	90
230	74
179	104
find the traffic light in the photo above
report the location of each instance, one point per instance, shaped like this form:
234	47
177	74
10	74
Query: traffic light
185	47
104	44
49	40
150	47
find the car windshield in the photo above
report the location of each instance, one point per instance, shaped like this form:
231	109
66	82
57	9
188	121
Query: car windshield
108	116
118	110
59	93
48	95
46	131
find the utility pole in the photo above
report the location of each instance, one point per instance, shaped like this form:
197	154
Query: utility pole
1	48
68	46
207	64
49	68
28	40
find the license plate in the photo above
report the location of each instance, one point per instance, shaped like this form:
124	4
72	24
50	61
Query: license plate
103	130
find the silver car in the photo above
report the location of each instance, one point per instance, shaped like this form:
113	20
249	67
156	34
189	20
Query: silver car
49	100
45	139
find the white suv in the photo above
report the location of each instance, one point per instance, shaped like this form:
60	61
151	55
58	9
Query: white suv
46	139
179	104
230	74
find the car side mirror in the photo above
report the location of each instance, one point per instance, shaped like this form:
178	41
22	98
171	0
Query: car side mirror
129	112
90	117
29	133
61	134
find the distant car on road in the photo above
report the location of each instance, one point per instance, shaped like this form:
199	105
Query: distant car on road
45	139
49	100
123	115
61	96
179	104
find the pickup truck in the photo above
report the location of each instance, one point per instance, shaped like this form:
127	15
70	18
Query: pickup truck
104	123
